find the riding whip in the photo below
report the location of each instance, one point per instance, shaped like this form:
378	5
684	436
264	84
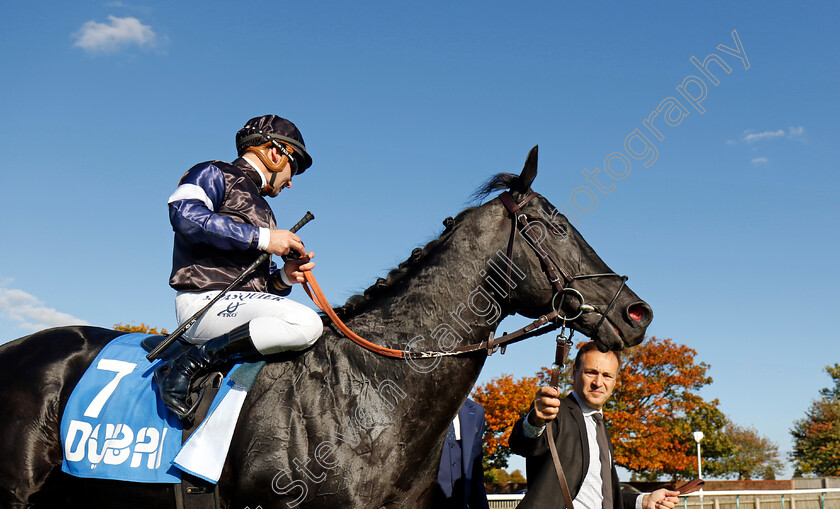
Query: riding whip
248	270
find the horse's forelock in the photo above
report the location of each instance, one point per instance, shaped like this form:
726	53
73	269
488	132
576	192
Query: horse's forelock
497	182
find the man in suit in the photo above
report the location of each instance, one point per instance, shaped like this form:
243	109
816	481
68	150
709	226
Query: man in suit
586	457
460	482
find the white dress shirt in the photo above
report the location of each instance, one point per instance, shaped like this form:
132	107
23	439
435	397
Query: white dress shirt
590	495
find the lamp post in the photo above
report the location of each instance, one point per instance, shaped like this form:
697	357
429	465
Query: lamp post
698	436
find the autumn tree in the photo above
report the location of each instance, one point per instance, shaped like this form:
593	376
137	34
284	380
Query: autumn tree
655	408
504	400
753	456
147	329
652	413
816	437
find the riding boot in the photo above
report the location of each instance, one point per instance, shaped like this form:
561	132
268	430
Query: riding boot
175	377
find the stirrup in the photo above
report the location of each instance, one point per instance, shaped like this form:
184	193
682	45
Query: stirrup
187	417
214	379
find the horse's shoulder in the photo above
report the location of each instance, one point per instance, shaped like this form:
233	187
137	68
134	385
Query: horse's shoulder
59	343
50	361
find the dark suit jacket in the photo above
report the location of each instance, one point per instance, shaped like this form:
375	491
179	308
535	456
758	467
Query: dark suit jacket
460	481
573	450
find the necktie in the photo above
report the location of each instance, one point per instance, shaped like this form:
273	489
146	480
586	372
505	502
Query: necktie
606	466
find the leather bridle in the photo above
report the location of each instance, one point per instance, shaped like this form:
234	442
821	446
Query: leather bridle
559	277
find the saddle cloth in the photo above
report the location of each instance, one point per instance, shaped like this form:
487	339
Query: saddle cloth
116	427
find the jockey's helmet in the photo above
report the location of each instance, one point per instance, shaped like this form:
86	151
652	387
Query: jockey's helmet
270	130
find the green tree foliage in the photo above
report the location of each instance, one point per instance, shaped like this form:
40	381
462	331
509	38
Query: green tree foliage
832	393
753	456
499	475
816	437
715	446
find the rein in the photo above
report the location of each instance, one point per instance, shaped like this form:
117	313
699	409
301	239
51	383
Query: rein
560	357
491	344
544	324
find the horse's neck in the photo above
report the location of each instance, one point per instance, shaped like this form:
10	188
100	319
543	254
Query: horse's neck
448	303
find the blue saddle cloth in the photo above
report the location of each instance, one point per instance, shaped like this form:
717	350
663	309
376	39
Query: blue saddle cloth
114	425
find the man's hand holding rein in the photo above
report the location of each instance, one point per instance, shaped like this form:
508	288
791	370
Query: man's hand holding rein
294	269
546	406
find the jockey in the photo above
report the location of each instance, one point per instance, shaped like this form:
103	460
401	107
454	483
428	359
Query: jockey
223	223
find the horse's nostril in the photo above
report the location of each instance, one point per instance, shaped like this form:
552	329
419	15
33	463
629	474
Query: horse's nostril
638	312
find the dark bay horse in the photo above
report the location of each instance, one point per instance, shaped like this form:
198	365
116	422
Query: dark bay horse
338	426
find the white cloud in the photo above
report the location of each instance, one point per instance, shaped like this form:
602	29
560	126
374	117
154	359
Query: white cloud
760	160
796	133
30	313
118	33
766	135
792	133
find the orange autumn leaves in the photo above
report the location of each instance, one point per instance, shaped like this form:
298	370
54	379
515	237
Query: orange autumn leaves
652	412
148	329
504	400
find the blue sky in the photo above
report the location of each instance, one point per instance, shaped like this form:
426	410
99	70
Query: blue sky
729	233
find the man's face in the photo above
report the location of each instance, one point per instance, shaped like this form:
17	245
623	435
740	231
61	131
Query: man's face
281	181
595	380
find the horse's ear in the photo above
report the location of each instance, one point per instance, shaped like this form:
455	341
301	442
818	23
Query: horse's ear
529	172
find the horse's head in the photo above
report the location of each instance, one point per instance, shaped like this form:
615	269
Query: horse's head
563	272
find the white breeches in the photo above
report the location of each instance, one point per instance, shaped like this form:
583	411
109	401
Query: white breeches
277	324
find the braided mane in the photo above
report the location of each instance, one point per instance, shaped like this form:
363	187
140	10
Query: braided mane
359	302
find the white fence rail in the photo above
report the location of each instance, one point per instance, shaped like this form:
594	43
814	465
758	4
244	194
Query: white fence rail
504	501
824	498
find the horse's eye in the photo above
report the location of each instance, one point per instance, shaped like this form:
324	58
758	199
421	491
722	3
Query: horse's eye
551	220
